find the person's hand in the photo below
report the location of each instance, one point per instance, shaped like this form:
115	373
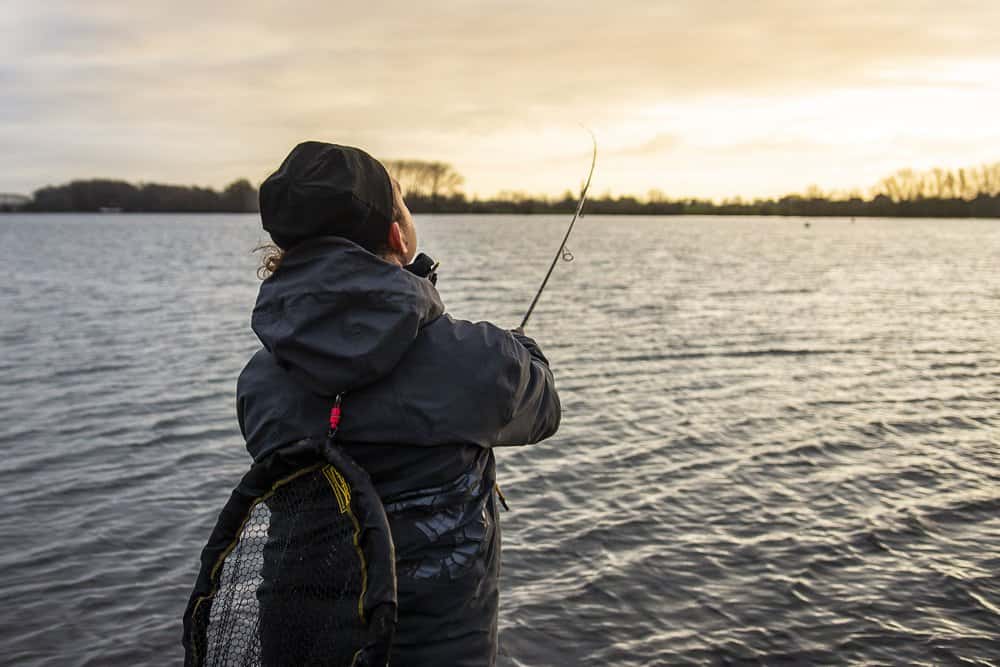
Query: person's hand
529	344
425	267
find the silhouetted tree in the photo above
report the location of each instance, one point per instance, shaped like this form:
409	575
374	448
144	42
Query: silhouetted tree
424	183
240	196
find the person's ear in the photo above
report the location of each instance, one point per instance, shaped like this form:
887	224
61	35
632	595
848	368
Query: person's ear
397	240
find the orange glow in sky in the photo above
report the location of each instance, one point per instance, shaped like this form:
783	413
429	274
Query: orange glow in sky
690	98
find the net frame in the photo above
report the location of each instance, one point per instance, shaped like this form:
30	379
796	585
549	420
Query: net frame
377	604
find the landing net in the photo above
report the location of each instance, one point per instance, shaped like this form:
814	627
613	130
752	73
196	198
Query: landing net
291	586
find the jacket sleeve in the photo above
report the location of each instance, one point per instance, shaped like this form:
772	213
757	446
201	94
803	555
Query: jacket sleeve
534	411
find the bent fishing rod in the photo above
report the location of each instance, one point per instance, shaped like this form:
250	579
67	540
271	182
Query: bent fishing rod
562	252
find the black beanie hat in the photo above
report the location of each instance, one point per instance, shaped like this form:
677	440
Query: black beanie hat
324	189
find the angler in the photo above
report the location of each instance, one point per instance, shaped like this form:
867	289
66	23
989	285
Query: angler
425	397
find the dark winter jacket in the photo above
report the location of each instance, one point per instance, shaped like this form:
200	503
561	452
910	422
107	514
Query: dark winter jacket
426	396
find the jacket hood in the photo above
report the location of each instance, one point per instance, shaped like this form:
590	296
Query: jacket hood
337	317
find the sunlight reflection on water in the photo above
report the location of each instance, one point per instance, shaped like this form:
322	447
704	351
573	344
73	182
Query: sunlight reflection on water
778	443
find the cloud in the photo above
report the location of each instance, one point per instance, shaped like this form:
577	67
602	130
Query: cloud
195	92
658	145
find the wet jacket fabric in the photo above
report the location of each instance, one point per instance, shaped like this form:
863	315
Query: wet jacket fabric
425	398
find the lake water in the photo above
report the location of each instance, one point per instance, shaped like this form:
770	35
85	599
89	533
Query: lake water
779	443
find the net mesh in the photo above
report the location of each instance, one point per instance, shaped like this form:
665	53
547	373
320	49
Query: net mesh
289	591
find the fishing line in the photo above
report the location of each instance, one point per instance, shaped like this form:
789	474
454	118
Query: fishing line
563	252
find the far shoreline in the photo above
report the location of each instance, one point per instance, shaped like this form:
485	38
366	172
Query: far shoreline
433	188
585	214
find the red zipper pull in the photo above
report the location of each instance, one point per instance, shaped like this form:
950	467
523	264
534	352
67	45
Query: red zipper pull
334	416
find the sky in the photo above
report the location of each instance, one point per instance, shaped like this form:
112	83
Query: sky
694	98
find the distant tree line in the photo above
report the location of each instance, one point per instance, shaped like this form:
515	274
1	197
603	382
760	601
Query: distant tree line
936	193
104	195
434	187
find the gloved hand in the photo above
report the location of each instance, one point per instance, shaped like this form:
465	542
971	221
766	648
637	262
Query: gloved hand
529	344
425	267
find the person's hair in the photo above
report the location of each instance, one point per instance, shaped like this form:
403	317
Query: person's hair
271	254
270	259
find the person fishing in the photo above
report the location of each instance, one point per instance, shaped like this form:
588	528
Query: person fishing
347	313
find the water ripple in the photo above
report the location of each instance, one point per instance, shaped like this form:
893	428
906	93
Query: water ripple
778	446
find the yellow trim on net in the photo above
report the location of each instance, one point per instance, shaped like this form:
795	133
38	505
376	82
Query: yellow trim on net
340	487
